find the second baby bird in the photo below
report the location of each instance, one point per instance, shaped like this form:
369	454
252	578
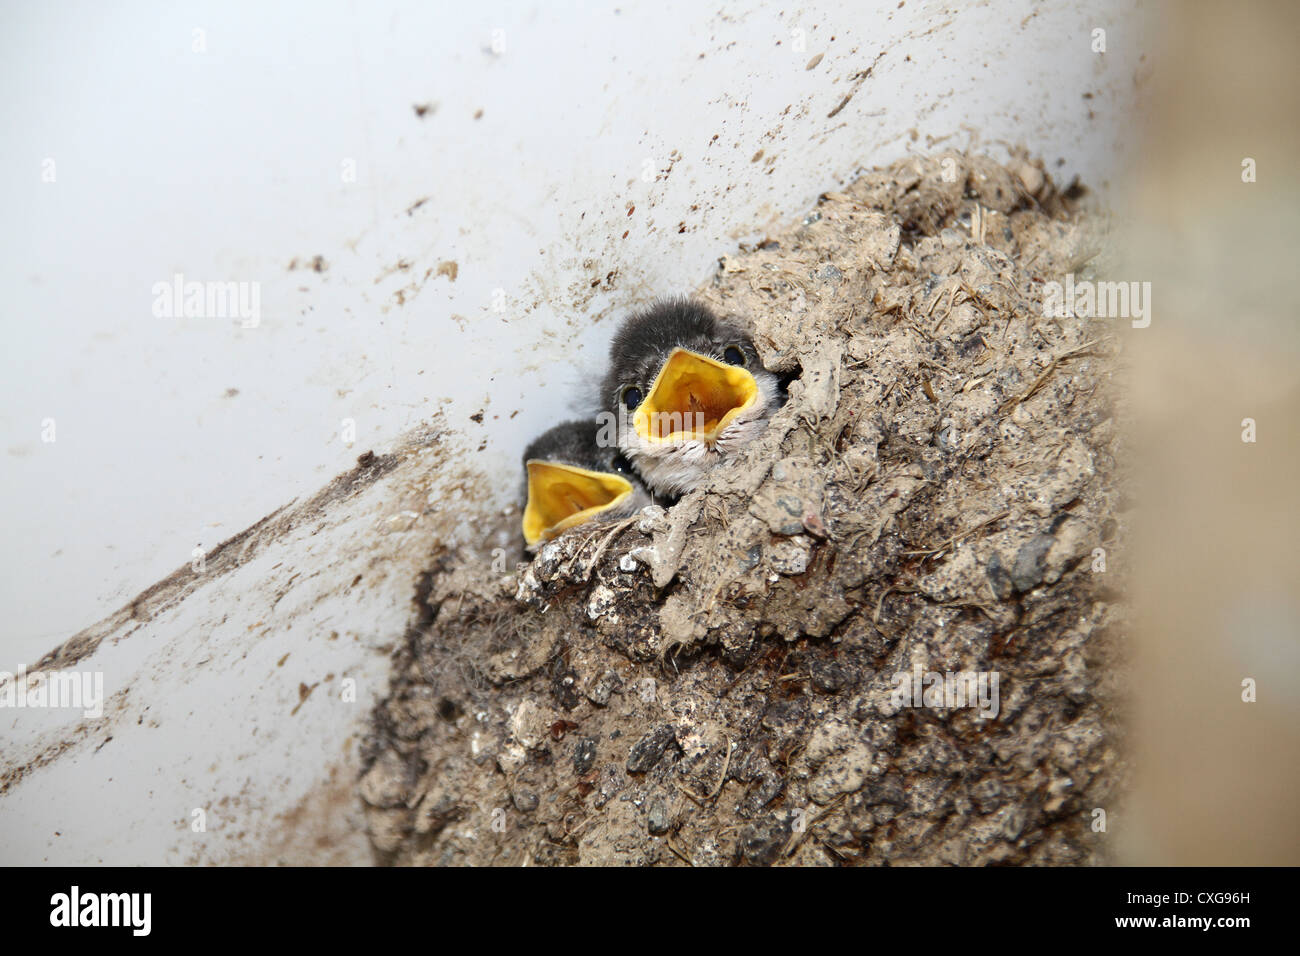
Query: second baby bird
572	479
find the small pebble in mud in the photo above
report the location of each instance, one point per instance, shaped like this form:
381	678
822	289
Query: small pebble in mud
603	687
657	818
1028	569
584	755
762	842
647	751
827	677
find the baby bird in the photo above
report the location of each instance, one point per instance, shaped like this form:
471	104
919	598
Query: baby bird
571	478
685	390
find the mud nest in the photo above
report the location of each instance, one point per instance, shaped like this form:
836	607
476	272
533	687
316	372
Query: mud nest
718	682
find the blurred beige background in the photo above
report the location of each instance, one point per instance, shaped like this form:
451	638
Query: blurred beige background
1217	583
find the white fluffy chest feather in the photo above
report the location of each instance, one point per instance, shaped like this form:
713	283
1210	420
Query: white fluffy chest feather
677	467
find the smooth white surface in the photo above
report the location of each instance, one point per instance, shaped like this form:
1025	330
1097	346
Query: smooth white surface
228	165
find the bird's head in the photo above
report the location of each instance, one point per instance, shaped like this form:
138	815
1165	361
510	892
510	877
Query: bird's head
572	477
687	390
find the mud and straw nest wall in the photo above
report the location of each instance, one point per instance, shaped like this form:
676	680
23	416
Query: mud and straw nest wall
716	682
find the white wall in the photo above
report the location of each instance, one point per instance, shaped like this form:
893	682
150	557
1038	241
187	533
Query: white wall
228	164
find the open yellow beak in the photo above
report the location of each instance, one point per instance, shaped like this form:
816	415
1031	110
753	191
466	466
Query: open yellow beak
562	496
693	397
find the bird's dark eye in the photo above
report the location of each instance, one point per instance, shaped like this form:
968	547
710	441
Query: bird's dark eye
733	355
631	397
621	465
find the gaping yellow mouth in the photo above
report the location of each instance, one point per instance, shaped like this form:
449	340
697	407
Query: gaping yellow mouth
693	397
561	496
